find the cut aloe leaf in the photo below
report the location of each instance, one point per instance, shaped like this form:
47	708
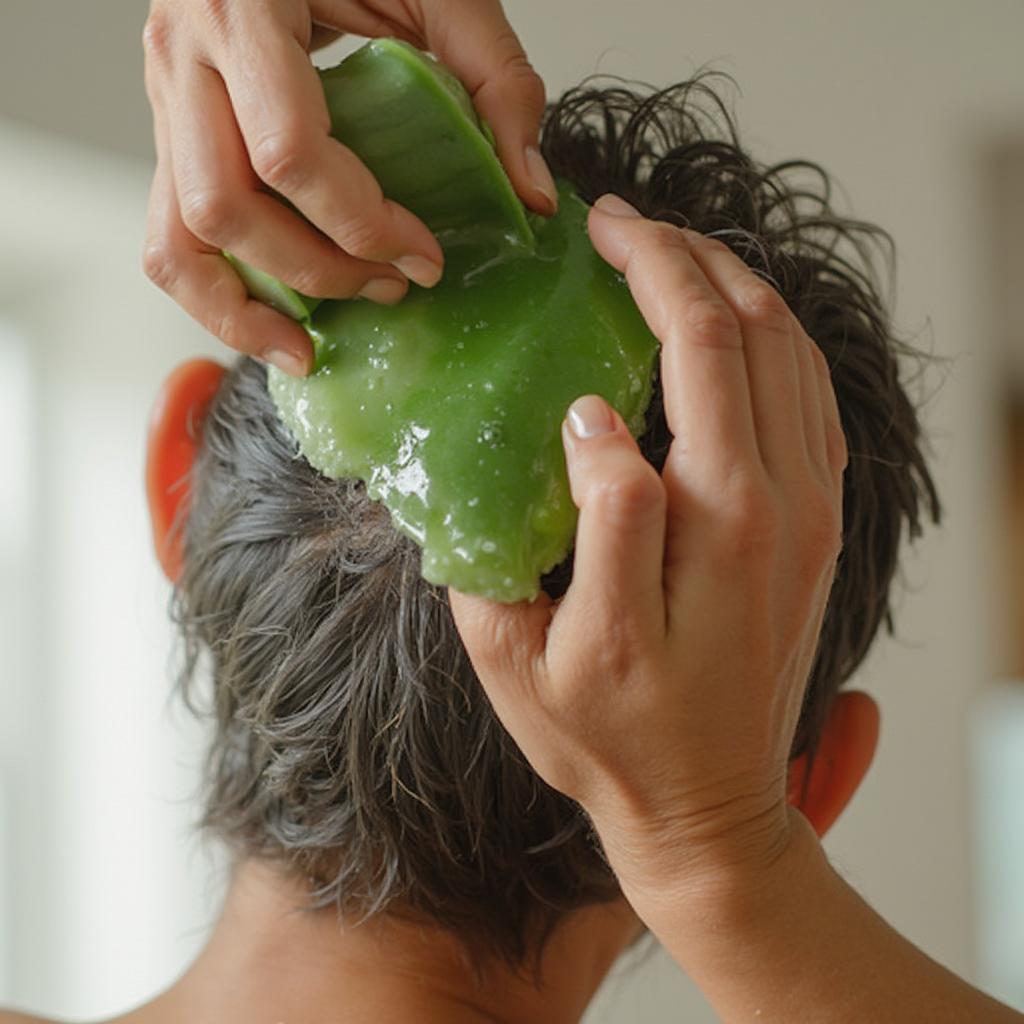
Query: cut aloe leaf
409	119
449	405
412	123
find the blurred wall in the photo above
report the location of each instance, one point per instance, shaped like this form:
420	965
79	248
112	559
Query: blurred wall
105	894
899	100
76	69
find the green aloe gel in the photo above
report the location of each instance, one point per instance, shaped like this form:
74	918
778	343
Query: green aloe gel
449	405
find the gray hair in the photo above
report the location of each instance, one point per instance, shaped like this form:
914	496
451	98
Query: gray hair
352	743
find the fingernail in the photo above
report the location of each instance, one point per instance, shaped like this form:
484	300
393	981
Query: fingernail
426	273
387	290
540	175
616	206
589	416
286	362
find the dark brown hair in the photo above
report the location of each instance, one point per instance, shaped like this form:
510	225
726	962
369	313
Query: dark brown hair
352	742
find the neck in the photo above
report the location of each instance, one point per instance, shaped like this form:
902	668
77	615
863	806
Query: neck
269	960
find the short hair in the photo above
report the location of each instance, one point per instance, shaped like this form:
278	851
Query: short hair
352	743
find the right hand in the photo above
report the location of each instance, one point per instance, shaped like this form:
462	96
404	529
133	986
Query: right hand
238	109
662	691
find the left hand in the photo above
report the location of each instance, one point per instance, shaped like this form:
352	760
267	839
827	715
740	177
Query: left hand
238	110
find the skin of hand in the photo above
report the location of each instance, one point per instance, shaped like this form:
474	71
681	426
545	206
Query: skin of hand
662	691
239	114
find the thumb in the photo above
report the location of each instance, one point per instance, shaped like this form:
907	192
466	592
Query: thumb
476	41
505	642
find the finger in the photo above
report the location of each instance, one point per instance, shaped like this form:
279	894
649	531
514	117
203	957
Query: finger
321	36
221	204
199	278
812	405
620	539
281	111
768	329
505	642
835	436
480	46
703	369
358	18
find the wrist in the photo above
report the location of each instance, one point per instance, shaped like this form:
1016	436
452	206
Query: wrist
728	885
792	941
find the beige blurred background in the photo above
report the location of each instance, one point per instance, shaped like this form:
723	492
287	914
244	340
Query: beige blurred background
916	107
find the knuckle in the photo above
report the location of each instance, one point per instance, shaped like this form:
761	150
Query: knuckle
612	659
159	263
492	643
226	327
282	160
709	322
763	305
835	445
210	215
659	234
749	526
630	503
314	279
510	60
507	49
821	531
156	37
531	88
708	242
360	236
520	81
217	13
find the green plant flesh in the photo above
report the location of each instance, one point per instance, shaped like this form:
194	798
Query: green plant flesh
449	405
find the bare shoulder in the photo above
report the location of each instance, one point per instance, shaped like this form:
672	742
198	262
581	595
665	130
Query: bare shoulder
13	1017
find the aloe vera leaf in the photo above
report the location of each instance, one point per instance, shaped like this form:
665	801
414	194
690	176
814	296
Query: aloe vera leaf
449	404
411	122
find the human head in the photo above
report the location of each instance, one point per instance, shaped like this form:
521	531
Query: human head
353	744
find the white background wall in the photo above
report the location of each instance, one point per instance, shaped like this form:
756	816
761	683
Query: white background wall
104	889
104	895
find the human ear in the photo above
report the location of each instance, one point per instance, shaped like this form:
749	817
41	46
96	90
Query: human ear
175	430
844	754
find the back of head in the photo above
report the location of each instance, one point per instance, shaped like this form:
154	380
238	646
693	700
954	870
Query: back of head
353	744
